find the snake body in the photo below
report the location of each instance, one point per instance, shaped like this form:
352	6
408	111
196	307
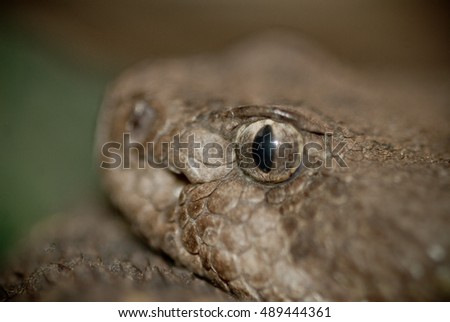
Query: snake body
327	233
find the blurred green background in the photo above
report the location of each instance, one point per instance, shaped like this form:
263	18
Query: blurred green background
48	110
56	58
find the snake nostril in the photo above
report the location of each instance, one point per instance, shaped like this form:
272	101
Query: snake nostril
141	120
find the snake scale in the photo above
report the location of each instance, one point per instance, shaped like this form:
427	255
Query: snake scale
374	228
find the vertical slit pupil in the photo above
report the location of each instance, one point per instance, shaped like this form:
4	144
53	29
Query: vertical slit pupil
263	149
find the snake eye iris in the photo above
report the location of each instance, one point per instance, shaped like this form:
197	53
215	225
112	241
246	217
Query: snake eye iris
269	151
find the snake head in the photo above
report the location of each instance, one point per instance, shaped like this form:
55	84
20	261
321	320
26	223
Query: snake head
269	200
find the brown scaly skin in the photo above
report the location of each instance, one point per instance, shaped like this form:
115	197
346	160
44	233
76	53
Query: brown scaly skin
375	230
89	254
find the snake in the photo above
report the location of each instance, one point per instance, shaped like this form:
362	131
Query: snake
342	214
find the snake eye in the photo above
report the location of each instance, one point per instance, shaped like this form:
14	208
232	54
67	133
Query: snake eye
269	151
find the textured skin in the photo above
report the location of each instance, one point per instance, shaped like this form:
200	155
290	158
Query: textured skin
89	254
377	230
